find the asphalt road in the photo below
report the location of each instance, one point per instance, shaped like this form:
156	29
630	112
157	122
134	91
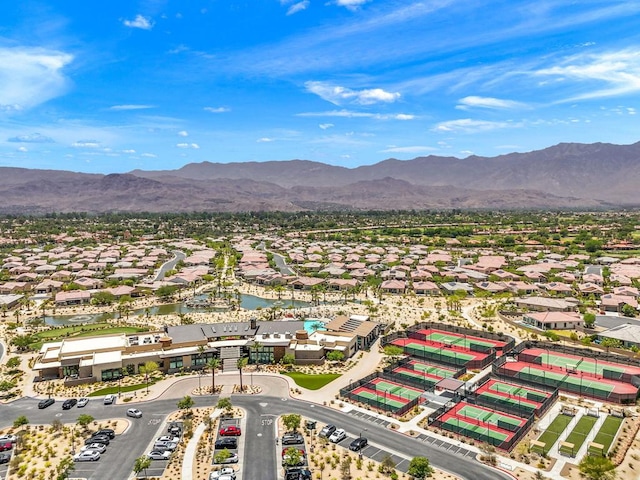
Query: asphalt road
260	451
169	265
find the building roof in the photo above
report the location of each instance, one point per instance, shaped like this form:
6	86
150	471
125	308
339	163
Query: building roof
625	333
555	317
354	324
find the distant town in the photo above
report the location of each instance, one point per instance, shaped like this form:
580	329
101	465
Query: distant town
452	344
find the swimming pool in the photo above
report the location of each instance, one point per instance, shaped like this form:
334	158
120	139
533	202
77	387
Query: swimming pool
313	324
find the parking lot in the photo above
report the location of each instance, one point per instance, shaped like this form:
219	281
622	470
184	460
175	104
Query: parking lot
4	467
239	451
157	466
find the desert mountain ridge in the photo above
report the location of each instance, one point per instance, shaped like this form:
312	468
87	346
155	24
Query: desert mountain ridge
564	176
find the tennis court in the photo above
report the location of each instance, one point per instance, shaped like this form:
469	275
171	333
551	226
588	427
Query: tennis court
606	435
371	397
578	435
433	370
587	365
385	387
552	433
466	341
451	355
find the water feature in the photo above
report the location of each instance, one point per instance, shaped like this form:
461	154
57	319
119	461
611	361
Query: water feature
248	302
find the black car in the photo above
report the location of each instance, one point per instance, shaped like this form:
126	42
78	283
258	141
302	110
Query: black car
5	457
327	430
174	429
358	444
46	403
226	442
297	473
104	439
109	432
70	403
292	438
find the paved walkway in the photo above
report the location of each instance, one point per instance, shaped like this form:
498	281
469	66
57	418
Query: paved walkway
192	447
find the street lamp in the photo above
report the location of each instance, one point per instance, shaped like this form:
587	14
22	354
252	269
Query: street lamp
360	450
73	440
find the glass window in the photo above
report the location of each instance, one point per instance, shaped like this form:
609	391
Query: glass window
175	362
111	374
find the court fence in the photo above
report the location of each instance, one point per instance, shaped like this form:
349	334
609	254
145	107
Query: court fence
510	342
379	401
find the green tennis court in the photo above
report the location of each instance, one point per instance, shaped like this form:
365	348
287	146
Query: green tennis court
584	385
416	375
488	416
415	348
459	425
516	402
581	364
395	389
447	338
377	399
606	434
516	390
432	369
579	434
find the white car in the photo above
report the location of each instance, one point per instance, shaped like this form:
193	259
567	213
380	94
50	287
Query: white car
159	455
87	456
109	399
220	474
168	438
82	402
98	447
8	438
134	412
338	435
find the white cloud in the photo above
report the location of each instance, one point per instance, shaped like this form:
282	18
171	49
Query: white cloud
265	140
351	4
194	146
86	144
217	109
31	76
183	133
31	138
298	7
619	72
130	107
139	22
409	149
129	151
467	125
487	102
324	126
148	155
351	114
339	95
22	149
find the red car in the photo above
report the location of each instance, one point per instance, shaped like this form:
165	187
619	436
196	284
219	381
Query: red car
231	430
6	445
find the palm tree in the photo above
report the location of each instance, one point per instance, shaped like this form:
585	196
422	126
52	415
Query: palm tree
242	362
148	369
213	364
255	347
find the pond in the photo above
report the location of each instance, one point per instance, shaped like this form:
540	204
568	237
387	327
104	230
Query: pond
248	302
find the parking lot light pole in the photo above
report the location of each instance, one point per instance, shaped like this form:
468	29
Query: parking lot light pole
73	440
360	449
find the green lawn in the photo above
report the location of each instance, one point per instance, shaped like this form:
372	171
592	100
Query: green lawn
312	382
551	434
69	331
123	389
579	434
111	331
607	433
81	331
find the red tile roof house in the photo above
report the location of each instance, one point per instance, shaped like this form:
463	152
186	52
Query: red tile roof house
627	290
590	289
426	288
614	303
74	297
305	283
48	286
342	283
14	287
553	320
393	286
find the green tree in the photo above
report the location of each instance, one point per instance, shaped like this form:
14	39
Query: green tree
148	369
84	420
221	456
610	343
7	385
103	298
288	359
345	468
22	342
387	465
186	404
241	363
292	457
628	311
597	468
292	421
589	320
166	291
420	468
21	421
213	364
393	352
141	464
335	356
14	362
224	403
63	469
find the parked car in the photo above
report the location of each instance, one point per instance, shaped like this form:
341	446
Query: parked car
168	438
70	403
292	438
358	444
98	447
87	456
174	429
327	430
231	430
97	439
5	457
82	402
297	473
232	458
226	442
338	436
218	474
109	432
159	454
46	403
134	413
6	445
109	399
8	438
171	446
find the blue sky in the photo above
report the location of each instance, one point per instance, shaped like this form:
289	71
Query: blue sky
118	85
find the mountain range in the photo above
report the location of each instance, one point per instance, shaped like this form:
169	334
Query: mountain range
564	176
